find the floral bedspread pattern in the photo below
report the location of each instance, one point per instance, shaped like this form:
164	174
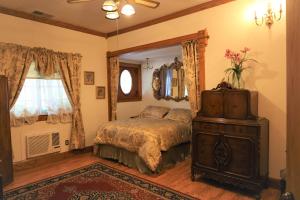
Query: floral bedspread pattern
145	136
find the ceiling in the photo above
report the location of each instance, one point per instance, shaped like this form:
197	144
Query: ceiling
89	14
174	51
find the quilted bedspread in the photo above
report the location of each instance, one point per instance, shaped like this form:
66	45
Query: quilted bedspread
145	136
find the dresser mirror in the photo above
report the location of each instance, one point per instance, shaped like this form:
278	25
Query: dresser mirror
168	82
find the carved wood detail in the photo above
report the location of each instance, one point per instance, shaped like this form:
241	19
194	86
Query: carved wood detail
230	151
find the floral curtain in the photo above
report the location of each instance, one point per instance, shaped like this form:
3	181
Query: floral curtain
70	68
114	85
181	82
190	59
15	61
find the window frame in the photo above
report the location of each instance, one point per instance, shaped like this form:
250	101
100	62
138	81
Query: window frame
136	90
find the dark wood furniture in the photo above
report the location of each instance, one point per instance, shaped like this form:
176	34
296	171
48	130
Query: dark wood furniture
6	167
230	144
1	184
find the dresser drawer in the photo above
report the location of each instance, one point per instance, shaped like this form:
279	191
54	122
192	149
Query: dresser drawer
208	127
241	130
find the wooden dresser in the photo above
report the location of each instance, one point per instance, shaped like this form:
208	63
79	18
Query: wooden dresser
6	167
230	143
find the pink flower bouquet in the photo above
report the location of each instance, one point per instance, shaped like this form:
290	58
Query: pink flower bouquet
237	65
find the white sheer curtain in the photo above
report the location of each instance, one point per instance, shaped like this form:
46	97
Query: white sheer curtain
41	96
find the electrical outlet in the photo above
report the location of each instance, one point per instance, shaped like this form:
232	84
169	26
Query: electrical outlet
67	142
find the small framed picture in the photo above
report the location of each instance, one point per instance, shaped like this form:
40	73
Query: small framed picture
89	78
100	92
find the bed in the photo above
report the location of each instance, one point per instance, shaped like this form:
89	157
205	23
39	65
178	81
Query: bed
156	139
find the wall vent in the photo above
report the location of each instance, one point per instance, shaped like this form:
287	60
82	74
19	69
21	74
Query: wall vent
41	14
42	144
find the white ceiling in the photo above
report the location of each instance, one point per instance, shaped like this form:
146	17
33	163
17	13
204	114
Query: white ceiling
90	15
174	51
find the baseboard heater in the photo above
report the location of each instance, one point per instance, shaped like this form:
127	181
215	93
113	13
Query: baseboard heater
42	144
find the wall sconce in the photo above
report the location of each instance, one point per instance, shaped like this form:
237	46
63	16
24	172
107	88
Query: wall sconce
269	17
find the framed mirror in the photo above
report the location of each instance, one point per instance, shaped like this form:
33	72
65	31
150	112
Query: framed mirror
168	82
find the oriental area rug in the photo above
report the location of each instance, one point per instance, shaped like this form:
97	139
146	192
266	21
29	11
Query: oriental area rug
94	182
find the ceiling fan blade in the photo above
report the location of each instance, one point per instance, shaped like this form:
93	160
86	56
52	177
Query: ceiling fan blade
78	1
148	3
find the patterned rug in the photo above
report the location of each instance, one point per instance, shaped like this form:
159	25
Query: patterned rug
94	182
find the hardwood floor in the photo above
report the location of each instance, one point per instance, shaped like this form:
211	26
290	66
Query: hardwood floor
177	178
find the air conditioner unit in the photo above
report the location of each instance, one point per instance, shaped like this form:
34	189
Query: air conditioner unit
42	144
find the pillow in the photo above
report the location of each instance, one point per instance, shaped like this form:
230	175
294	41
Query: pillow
180	114
156	112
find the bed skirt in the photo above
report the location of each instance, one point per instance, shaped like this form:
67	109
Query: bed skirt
132	160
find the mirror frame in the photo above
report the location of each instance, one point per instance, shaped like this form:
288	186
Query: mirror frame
156	82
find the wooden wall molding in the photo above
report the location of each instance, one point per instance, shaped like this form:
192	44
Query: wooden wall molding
181	13
201	35
28	16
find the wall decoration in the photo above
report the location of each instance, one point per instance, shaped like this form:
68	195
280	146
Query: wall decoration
89	78
168	82
100	92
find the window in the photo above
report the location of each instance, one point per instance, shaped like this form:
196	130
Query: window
126	82
40	96
130	83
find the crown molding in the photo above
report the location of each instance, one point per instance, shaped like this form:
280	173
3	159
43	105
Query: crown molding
187	11
28	16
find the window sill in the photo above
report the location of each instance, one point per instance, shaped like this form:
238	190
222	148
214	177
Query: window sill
42	118
130	99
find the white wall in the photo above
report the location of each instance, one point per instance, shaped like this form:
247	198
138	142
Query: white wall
128	109
92	48
231	26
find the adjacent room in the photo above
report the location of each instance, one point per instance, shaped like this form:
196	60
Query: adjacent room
149	99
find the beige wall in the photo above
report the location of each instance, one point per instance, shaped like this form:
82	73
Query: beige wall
92	48
231	26
128	109
228	25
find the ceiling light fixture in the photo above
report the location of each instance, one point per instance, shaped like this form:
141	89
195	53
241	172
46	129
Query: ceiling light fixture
148	66
109	6
128	10
112	15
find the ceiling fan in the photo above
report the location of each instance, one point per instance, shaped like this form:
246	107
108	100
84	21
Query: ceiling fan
111	7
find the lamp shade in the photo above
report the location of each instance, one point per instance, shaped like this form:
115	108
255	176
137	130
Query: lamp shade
127	10
112	15
109	6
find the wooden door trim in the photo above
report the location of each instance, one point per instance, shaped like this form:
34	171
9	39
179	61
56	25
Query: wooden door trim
202	37
293	96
